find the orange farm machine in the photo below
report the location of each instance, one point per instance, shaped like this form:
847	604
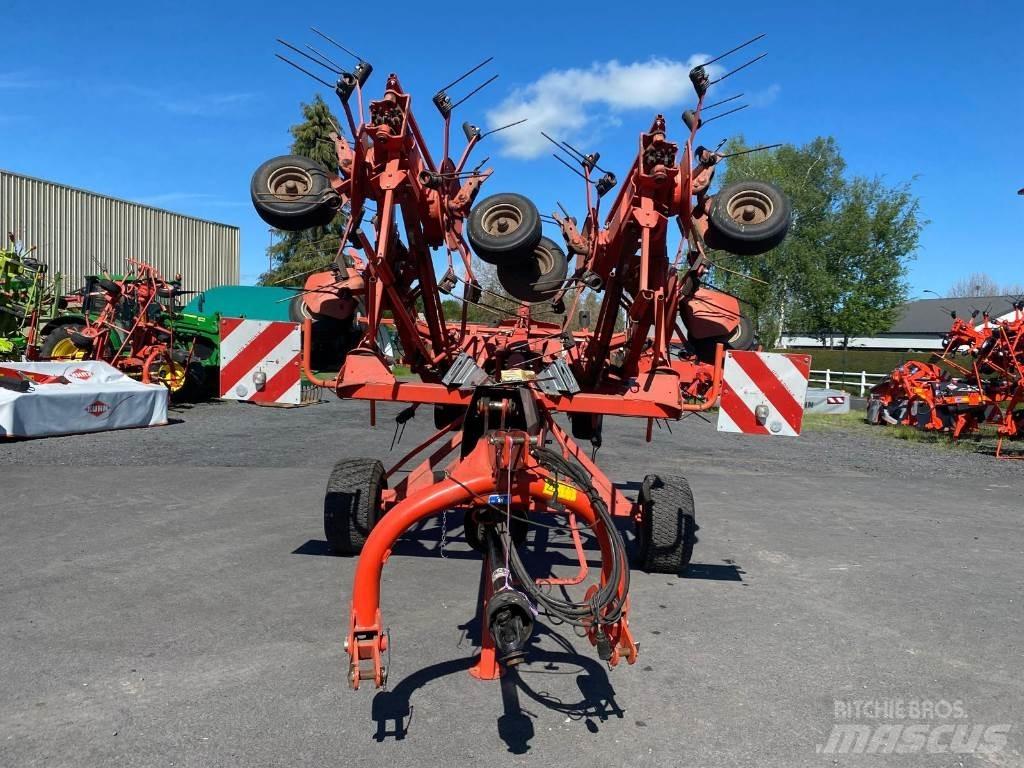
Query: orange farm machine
498	454
122	323
978	378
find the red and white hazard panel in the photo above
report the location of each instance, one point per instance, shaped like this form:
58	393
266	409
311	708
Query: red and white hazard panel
763	393
259	361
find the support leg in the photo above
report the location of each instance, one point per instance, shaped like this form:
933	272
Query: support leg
486	667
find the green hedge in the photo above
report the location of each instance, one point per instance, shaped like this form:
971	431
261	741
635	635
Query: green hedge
870	360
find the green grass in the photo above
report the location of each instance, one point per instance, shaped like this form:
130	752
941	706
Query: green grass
983	441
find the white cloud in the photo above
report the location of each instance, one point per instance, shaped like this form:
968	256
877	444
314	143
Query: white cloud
569	103
765	96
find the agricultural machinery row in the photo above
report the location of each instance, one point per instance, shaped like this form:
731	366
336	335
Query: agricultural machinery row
977	379
133	321
654	350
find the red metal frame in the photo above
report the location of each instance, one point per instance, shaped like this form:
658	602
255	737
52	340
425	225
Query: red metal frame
992	380
145	345
638	371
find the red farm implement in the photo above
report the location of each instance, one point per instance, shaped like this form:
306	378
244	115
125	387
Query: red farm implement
498	454
121	324
987	359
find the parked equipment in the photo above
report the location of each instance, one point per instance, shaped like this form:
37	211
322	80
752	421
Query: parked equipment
28	297
41	399
124	323
498	455
988	360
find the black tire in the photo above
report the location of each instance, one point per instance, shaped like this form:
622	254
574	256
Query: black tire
536	276
446	414
58	334
748	218
14	310
197	384
668	526
293	193
501	227
742	338
352	503
298	310
585	426
874	412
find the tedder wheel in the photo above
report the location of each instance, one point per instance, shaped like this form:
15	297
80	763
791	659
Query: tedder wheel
293	193
352	503
748	218
874	414
59	346
534	277
502	227
585	426
298	311
668	526
742	338
446	414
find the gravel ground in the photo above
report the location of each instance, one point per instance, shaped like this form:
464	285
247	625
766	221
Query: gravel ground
167	600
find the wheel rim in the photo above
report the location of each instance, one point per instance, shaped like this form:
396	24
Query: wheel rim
66	350
290	183
736	332
501	220
171	375
749	207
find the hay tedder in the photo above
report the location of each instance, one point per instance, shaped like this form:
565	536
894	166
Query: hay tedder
122	323
498	454
987	385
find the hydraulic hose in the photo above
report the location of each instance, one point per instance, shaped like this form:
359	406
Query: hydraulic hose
605	607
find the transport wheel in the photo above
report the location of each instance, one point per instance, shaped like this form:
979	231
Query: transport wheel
502	227
748	218
668	525
742	338
293	193
59	346
352	503
535	277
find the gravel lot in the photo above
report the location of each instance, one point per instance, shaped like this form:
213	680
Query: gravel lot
166	599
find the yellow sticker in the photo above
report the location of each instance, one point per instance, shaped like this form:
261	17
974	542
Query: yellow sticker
565	492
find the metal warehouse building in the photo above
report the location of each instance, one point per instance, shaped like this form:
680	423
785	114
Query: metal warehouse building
77	231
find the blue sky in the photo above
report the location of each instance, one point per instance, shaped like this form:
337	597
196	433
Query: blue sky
175	104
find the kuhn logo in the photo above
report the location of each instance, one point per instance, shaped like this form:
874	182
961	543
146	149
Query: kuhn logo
97	408
80	373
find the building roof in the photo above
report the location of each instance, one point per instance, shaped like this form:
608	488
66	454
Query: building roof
932	315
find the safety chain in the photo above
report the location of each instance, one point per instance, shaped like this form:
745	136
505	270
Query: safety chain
444	532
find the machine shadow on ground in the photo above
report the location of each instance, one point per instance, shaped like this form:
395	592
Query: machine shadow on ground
549	546
393	712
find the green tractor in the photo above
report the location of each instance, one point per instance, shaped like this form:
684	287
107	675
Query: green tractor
195	326
27	298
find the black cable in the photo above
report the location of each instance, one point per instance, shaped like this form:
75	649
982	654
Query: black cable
606	606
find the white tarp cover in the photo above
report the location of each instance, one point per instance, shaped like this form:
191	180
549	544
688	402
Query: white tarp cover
96	398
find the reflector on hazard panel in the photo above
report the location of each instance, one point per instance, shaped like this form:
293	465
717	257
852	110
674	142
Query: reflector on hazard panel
763	393
259	361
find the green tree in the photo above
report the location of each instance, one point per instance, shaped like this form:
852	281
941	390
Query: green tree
294	255
841	270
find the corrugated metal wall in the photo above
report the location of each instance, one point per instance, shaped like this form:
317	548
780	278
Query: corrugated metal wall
75	231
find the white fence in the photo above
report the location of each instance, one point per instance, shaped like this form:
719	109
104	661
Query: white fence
860	379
